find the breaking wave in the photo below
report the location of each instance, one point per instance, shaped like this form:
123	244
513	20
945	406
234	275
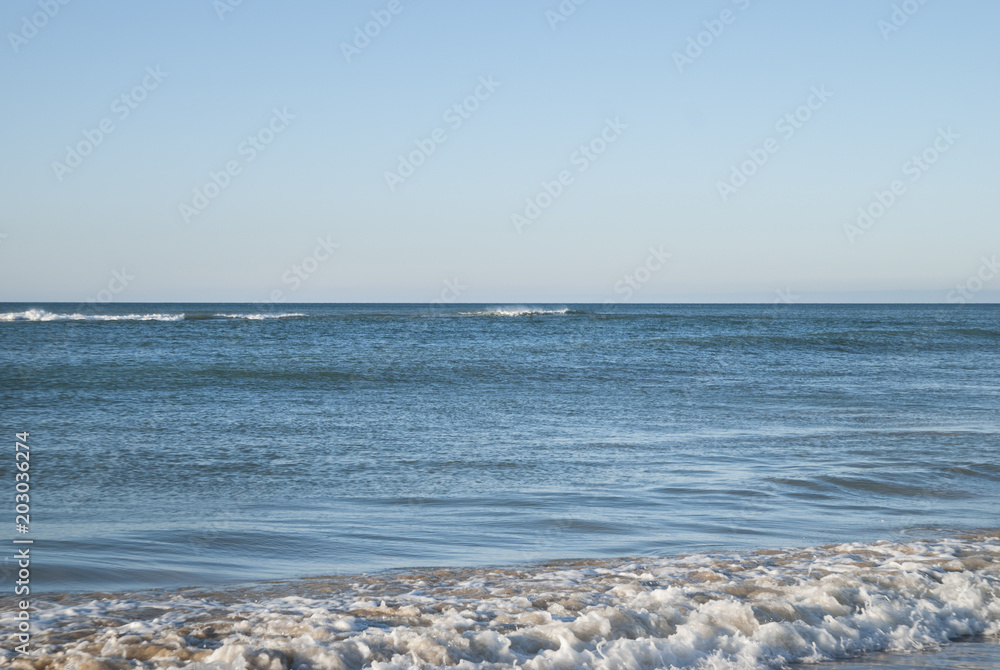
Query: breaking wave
518	311
43	315
260	317
746	611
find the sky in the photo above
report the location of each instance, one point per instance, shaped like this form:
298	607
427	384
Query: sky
574	151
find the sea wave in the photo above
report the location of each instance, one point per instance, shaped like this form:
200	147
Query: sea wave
43	315
517	311
747	611
260	317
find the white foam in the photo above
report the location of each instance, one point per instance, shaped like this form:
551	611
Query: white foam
516	311
260	317
745	611
43	315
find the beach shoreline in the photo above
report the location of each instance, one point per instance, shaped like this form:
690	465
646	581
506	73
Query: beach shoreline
737	609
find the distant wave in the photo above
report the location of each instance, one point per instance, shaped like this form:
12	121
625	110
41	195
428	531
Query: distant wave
517	311
259	317
733	611
42	315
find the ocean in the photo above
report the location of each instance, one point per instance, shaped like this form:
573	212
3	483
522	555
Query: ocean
492	486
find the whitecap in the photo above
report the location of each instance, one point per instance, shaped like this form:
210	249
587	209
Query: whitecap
260	317
517	311
43	315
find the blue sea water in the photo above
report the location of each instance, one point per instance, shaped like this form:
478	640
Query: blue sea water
189	444
794	483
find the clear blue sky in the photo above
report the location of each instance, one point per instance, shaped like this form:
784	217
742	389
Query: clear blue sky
679	132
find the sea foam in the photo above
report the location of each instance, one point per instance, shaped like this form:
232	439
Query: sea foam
743	611
260	317
517	311
43	315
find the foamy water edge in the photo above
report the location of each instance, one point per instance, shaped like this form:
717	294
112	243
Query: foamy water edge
744	611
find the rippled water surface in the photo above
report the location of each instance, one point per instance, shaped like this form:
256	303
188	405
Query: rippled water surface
192	444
